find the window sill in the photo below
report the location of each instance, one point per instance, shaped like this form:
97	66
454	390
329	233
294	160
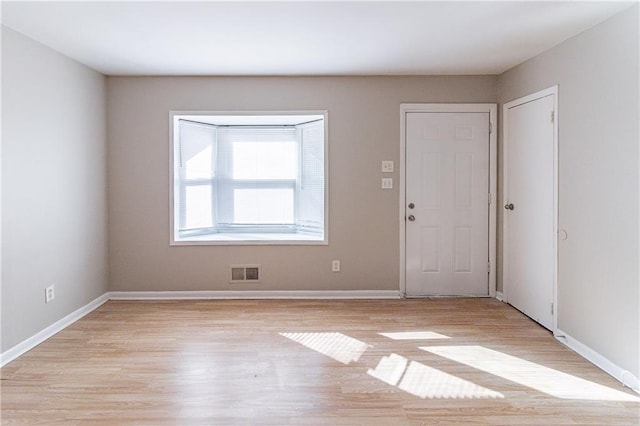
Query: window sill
251	239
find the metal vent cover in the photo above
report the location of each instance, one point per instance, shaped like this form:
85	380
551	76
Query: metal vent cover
244	273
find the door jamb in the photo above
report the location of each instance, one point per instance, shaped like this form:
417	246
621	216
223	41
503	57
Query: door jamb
553	90
491	109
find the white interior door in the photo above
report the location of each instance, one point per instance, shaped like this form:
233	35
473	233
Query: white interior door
447	203
529	215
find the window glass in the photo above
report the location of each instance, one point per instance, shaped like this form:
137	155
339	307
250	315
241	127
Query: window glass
198	207
263	206
265	160
199	166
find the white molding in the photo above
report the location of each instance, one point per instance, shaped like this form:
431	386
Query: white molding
499	296
492	110
33	341
240	295
493	190
624	376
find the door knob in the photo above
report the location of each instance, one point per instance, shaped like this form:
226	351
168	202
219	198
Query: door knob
411	218
509	206
411	205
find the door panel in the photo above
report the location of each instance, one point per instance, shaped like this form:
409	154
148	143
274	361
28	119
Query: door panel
447	181
529	226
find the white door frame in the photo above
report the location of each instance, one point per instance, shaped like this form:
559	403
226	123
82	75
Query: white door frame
491	109
505	186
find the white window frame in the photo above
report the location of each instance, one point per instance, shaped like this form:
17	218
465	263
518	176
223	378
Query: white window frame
247	236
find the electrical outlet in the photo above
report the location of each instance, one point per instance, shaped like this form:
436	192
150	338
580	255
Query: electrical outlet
335	266
387	183
387	166
49	294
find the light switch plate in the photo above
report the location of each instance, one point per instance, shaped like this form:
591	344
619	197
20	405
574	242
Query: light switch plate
387	183
387	166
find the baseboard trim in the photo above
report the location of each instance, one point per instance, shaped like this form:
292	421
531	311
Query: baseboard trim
33	341
499	296
274	294
624	376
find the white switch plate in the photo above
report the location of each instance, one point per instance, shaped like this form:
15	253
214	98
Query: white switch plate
387	166
387	183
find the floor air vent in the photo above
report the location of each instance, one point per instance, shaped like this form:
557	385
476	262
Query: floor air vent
245	273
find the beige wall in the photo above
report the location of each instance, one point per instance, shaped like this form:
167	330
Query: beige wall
53	186
598	283
364	128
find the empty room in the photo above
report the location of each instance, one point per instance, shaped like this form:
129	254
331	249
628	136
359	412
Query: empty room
320	213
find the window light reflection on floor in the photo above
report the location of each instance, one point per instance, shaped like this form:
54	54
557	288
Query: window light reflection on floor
414	335
342	348
389	369
427	382
543	379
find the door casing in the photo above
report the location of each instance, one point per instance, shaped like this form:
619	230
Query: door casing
505	169
453	108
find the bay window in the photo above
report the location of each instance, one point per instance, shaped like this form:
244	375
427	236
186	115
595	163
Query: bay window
248	178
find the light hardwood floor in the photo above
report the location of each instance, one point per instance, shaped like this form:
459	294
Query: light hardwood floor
337	362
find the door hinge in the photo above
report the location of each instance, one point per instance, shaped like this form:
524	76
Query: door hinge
488	266
490	127
489	198
553	116
552	308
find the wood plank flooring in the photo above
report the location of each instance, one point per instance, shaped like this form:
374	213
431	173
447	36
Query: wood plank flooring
331	362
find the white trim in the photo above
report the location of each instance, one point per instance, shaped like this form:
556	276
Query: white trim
551	91
492	109
243	295
624	376
493	189
499	296
33	341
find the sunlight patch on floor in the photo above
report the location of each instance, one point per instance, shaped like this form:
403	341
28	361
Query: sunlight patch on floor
414	335
526	373
389	369
427	382
342	348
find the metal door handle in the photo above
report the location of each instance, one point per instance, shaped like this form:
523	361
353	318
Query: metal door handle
411	218
509	206
411	205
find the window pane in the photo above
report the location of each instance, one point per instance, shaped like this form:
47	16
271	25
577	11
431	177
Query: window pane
199	166
198	207
265	160
311	194
263	206
197	142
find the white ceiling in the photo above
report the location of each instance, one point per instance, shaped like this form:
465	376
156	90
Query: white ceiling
303	38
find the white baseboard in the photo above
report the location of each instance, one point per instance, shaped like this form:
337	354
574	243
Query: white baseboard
624	376
499	296
275	294
33	341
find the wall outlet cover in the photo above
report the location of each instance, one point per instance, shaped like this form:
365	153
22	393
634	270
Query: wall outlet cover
49	294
